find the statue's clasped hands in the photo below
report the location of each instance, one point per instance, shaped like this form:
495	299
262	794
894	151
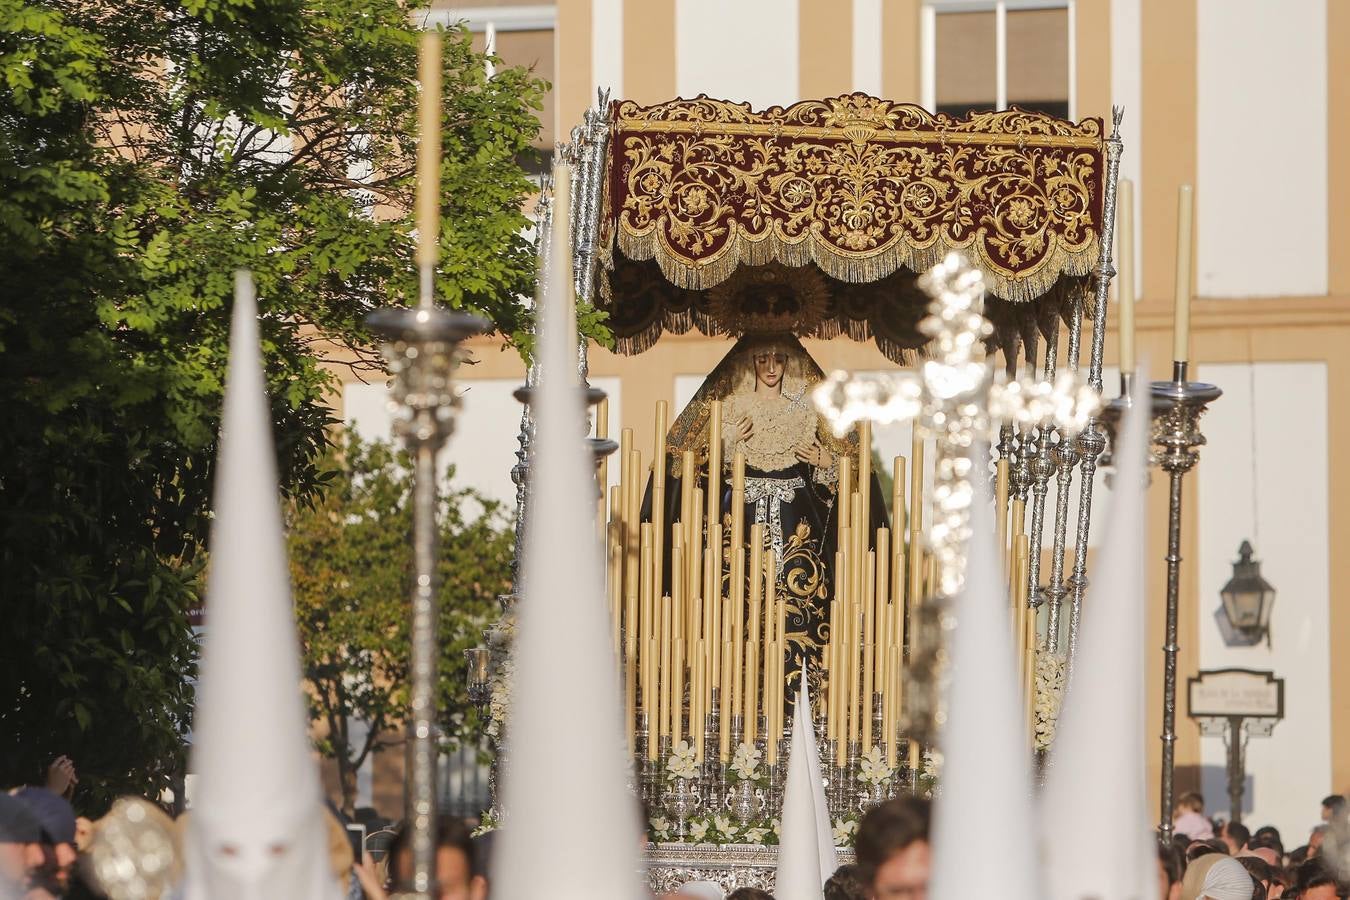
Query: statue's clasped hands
815	455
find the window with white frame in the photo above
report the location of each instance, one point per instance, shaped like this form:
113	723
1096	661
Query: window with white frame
982	55
519	34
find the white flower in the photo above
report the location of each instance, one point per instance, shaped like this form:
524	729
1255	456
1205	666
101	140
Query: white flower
698	831
776	824
755	835
873	768
725	826
844	829
661	828
746	762
682	762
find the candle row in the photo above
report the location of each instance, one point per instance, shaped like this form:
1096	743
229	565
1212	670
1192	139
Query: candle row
700	622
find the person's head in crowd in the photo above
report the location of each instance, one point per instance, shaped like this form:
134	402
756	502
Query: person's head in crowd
57	828
1259	869
1315	839
749	893
1171	866
1331	805
1267	846
1314	881
1191	801
1198	849
846	884
1188	817
21	854
458	873
892	849
1298	855
1235	835
1270	832
1216	877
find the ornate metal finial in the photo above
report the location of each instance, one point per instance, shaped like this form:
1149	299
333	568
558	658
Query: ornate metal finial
1117	114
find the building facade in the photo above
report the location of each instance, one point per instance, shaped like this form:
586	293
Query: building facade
1244	99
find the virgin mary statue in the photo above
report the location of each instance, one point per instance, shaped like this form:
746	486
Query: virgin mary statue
791	473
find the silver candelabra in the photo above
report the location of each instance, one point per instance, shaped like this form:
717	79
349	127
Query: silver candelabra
1177	407
421	348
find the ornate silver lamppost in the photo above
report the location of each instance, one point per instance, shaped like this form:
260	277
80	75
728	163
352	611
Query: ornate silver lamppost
1177	407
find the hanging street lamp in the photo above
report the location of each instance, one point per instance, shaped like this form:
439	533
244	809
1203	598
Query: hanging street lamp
1247	602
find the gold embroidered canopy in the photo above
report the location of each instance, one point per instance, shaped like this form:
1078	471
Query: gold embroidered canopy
815	218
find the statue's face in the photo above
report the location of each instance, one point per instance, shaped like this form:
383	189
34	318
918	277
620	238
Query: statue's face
769	366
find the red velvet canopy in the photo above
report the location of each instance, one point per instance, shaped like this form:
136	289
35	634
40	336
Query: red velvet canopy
815	218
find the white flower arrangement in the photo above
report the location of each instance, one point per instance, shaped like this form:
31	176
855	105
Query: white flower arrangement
720	830
1049	696
660	828
725	827
682	762
873	769
745	763
756	835
844	831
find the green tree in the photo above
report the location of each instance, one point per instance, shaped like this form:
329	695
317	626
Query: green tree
350	559
147	149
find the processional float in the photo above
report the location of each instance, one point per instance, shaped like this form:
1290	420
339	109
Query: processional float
817	220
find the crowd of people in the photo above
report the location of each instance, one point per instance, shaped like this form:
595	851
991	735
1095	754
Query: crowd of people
43	844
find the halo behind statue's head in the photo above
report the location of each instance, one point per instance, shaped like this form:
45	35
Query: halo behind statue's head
736	374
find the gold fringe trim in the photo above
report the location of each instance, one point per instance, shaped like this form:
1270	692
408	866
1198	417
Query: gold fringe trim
742	249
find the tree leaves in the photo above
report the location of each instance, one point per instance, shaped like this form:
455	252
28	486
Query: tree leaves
147	149
350	563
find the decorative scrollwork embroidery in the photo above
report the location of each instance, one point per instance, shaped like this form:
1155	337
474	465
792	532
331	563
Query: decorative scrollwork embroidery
859	186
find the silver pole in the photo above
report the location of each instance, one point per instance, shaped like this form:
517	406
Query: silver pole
1177	407
1092	442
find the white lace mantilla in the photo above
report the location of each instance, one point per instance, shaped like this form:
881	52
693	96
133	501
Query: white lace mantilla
781	425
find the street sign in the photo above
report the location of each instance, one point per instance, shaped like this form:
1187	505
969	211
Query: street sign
1236	692
1236	704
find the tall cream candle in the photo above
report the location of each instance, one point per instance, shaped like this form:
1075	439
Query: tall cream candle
756	579
688	487
842	499
714	503
1181	323
663	676
676	687
865	480
750	704
1125	293
650	706
659	491
428	148
737	501
724	721
633	505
